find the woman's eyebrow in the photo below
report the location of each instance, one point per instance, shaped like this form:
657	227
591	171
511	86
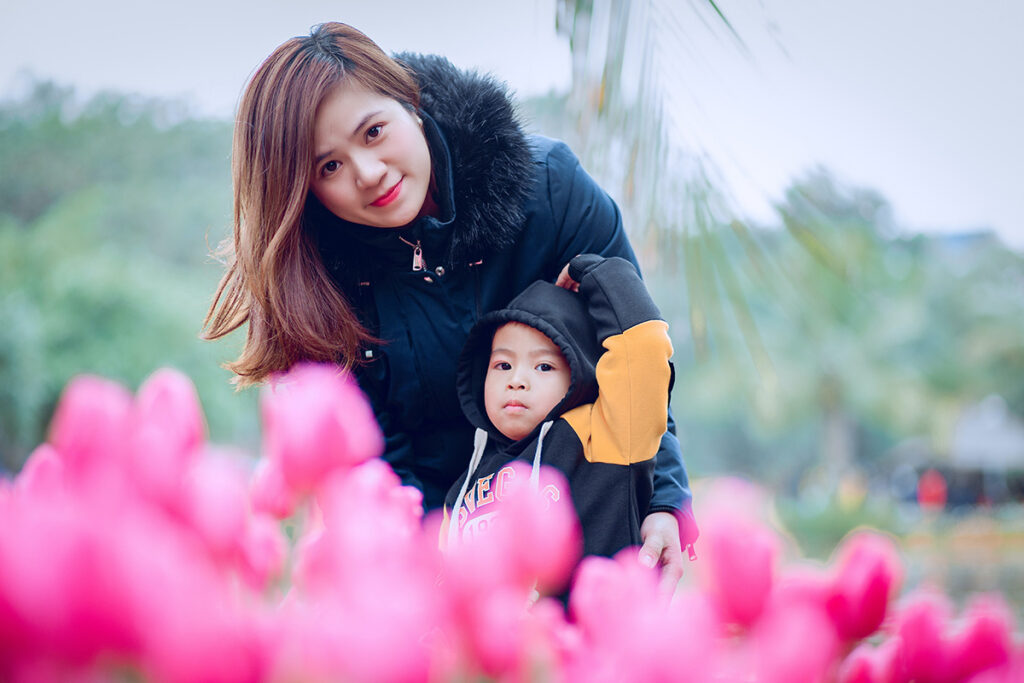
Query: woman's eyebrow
365	120
321	157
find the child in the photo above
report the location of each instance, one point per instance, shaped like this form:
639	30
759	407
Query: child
535	382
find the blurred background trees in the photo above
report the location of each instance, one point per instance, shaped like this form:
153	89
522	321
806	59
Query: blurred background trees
831	354
105	210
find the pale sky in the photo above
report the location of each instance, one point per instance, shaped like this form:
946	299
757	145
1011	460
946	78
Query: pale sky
919	99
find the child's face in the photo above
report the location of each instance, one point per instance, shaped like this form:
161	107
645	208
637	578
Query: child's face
526	378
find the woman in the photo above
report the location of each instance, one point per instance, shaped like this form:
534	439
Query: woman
381	207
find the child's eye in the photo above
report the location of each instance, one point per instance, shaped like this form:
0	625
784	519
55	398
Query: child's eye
545	367
502	365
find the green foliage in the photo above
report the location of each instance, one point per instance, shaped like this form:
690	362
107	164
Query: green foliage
841	327
821	525
106	210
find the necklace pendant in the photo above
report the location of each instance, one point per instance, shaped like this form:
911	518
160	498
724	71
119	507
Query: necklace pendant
417	257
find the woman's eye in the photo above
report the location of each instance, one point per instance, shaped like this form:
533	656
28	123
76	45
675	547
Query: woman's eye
373	131
329	168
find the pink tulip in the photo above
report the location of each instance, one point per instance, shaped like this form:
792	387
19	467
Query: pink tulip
868	573
168	428
367	525
168	399
793	643
488	578
628	630
42	475
919	625
537	529
43	670
554	642
206	639
372	488
869	664
316	419
197	622
1010	672
264	551
380	632
803	583
985	640
268	492
62	585
497	631
90	424
215	500
740	555
603	587
372	576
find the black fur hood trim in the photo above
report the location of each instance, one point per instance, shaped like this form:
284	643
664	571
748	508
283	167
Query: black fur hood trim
490	158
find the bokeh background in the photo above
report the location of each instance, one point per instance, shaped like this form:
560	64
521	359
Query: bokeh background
826	199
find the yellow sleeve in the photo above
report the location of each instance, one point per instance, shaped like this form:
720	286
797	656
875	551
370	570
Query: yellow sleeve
626	422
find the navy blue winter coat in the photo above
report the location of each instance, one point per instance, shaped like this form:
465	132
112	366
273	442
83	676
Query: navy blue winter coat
513	209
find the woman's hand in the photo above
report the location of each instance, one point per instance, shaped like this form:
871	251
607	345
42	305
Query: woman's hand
660	533
567	282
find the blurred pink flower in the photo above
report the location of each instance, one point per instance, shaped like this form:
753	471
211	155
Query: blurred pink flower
42	474
90	424
167	429
198	623
366	574
1010	672
264	551
365	522
537	530
268	491
985	639
629	631
793	643
129	548
63	587
380	631
740	557
489	578
870	664
867	574
919	625
316	419
805	584
214	502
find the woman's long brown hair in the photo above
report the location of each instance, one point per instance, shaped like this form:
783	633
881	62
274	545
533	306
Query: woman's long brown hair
275	279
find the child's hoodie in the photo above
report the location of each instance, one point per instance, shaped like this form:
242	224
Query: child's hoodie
604	434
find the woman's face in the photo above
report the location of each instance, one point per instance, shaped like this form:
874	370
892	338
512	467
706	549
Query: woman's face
371	162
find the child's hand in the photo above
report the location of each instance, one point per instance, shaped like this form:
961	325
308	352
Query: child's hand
567	282
661	548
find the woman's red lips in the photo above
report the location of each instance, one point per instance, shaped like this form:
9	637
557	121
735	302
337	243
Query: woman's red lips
389	196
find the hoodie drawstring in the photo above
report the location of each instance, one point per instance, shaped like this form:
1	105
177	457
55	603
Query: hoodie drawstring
479	443
535	472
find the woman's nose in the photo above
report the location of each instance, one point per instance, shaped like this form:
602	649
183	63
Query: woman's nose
369	170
